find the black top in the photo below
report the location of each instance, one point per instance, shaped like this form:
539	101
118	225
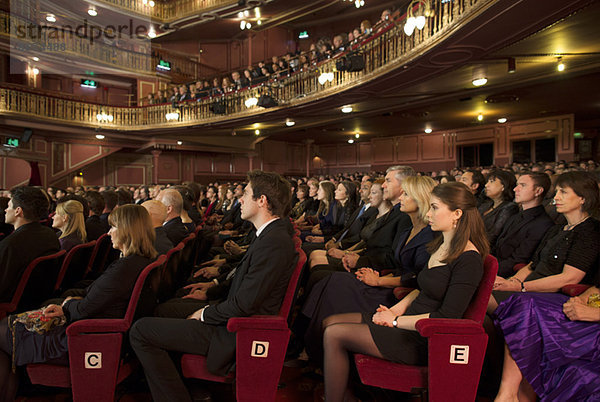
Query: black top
70	241
411	257
162	244
195	215
577	247
18	249
108	296
95	227
496	219
519	238
175	229
447	290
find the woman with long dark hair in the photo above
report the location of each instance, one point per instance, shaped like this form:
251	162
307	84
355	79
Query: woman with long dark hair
500	207
447	285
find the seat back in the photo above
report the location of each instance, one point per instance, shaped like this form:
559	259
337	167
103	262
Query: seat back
290	293
163	280
99	255
36	284
75	265
186	264
143	297
478	306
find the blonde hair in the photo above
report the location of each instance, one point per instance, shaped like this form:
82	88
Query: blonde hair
73	210
134	231
419	188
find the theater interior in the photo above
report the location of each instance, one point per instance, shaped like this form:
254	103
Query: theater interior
472	83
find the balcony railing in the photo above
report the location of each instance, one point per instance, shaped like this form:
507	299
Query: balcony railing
383	52
168	11
133	56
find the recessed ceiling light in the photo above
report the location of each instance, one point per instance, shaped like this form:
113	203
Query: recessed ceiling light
100	136
480	117
179	142
259	22
256	132
35	58
347	109
35	71
92	12
350	141
480	81
561	66
502	120
50	18
289	122
428	130
357	135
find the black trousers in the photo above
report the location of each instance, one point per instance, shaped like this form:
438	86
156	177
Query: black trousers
179	308
152	339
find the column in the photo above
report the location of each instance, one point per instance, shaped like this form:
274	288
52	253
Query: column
155	155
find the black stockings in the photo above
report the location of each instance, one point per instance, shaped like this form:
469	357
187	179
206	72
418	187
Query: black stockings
344	333
8	379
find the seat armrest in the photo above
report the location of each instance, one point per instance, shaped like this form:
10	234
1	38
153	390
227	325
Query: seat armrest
570	290
97	326
269	322
431	326
400	292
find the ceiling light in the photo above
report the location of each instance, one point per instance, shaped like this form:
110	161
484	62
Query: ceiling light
92	12
560	66
480	117
256	132
246	13
347	109
480	81
50	18
152	33
428	130
502	120
179	142
259	22
289	122
35	58
35	71
100	136
357	135
350	141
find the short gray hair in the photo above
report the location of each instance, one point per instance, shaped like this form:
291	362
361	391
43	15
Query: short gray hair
402	171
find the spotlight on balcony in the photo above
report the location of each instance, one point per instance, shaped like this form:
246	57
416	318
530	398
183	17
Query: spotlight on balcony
289	122
481	81
100	136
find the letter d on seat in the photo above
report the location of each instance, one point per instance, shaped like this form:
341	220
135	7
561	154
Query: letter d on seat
259	349
93	360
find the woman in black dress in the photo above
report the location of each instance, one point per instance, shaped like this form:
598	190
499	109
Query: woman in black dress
131	232
500	207
447	285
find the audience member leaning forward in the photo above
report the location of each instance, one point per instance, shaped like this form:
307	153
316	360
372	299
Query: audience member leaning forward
258	287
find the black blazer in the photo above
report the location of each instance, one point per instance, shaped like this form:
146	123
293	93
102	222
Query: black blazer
379	245
410	258
258	287
354	226
234	216
162	244
519	238
175	229
495	220
108	296
18	249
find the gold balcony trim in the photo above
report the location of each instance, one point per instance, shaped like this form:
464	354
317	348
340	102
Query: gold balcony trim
386	52
143	60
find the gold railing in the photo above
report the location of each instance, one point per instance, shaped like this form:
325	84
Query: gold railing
384	52
168	11
133	56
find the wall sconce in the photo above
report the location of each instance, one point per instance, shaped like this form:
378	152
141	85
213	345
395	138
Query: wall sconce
174	115
103	117
417	18
324	77
251	102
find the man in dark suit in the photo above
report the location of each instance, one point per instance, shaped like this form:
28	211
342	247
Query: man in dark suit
259	285
94	226
523	232
173	225
29	240
110	202
158	214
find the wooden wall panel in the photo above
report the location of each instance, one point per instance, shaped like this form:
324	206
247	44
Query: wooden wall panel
328	155
59	163
15	172
536	126
407	148
296	158
95	174
169	168
432	147
241	164
222	164
202	164
476	136
130	175
383	150
364	153
501	147
81	154
347	154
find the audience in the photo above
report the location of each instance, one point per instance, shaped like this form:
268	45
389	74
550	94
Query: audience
176	230
500	206
94	225
158	215
68	219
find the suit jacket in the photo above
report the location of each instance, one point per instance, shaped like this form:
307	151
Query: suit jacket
175	229
162	243
410	258
519	238
354	227
95	227
108	296
234	216
379	245
18	249
495	220
258	287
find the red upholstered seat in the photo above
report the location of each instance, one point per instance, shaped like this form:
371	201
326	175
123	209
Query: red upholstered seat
75	265
99	255
575	289
95	363
456	352
256	377
36	284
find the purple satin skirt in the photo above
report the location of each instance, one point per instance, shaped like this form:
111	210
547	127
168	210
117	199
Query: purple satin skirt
560	358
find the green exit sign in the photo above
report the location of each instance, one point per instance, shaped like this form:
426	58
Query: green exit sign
86	83
12	142
164	65
303	35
